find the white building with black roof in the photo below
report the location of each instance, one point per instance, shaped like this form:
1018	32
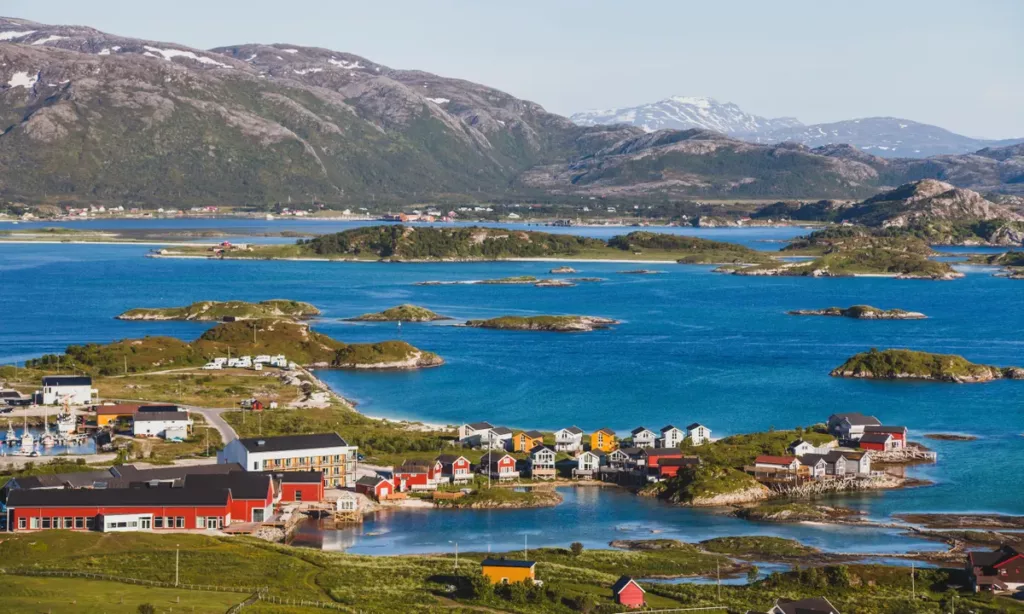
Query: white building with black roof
76	389
324	452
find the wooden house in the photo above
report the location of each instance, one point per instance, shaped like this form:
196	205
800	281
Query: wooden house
643	437
698	434
524	441
569	439
603	440
508	571
671	437
628	593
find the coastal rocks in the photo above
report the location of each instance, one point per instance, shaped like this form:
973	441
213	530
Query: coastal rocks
950	437
559	324
647	545
914	365
554	283
964	521
641	272
796	512
563	270
750	494
503	281
861	312
213	311
912	454
401	313
416	359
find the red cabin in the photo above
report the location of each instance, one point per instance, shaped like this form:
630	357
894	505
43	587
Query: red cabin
628	593
670	467
655	455
454	468
375	487
417	475
299	486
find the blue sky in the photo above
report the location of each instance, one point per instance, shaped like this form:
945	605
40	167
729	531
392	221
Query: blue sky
952	63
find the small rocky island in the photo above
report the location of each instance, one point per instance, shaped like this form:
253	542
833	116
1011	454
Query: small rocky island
557	324
861	312
641	272
563	270
215	311
400	313
914	365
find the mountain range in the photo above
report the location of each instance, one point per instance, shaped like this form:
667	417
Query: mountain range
887	137
94	117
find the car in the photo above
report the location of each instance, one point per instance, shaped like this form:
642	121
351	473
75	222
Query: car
6	410
211	366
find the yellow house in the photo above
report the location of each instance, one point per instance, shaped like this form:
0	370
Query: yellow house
110	414
603	440
507	571
524	441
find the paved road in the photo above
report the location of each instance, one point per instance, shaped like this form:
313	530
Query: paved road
213	416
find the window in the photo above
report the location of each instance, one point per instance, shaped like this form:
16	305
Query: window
158	522
46	522
200	522
79	522
256	466
287	462
22	523
179	522
90	522
69	522
298	495
56	522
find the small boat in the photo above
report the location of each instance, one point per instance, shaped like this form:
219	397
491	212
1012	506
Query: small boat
12	437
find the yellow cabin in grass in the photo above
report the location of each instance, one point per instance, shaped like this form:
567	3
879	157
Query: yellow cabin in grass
524	441
507	571
603	440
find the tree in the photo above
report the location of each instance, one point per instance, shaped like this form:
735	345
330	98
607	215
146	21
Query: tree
838	576
576	548
584	603
146	608
752	574
480	586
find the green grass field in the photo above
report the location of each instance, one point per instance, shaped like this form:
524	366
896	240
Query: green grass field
31	595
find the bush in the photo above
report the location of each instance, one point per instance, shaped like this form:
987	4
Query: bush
576	548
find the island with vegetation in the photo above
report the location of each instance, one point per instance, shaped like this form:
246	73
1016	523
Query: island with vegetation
709	485
400	313
861	312
295	340
563	270
897	364
796	511
950	437
214	311
1011	263
558	324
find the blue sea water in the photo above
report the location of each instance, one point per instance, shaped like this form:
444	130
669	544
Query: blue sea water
693	346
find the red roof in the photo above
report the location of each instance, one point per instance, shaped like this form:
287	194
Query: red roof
663	452
774	460
115	410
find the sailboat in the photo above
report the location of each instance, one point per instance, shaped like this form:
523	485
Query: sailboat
47	440
66	420
28	442
12	437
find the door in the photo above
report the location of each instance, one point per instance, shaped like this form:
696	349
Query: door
257	514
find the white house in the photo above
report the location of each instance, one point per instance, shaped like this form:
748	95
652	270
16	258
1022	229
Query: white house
470	433
166	424
324	452
542	463
643	437
850	426
698	433
76	389
569	439
776	463
671	437
801	447
840	463
587	464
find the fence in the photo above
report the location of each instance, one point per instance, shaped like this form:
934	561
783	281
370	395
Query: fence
110	578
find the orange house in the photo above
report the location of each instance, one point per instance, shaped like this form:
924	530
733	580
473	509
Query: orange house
524	441
603	440
507	571
109	414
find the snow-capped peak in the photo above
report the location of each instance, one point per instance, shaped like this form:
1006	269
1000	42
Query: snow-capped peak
684	113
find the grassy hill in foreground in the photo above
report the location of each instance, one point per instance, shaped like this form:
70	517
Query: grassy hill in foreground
265	336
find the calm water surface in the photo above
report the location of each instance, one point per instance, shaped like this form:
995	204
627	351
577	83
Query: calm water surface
693	346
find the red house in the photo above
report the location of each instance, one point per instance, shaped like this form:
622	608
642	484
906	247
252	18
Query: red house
628	593
882	442
375	487
899	434
297	486
654	456
454	468
417	475
252	494
145	508
997	571
670	467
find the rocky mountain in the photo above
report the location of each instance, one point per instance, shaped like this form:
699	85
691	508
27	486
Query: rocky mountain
926	201
887	137
94	117
685	113
89	115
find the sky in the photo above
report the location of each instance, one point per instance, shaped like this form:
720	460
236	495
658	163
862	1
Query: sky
952	63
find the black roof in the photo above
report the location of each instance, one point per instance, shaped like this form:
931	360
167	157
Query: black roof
622	583
878	428
507	563
161	416
133	473
685	461
118	497
296	477
292	442
370	480
146	408
694	425
575	430
857	419
876	437
479	426
243	485
668	427
448	459
534	434
640	429
814	605
67	380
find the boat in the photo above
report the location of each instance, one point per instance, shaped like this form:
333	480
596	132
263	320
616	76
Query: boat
67	422
28	442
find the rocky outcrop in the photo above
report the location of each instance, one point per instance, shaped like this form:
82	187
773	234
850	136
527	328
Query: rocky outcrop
796	512
926	200
559	324
213	311
751	494
563	270
415	360
914	365
401	313
861	312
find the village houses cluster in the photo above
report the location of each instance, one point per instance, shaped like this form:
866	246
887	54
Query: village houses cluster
249	362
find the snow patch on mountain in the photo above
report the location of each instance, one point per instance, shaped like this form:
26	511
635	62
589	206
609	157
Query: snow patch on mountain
439	100
49	39
11	35
346	65
685	113
23	79
170	54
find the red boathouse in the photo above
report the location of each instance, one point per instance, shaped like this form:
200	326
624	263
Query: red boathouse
628	593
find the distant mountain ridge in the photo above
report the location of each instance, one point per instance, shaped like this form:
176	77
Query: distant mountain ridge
887	137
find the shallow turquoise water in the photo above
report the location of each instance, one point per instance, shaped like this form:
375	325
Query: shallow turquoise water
693	346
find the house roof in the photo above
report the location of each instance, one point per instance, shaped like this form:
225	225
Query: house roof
163	495
858	419
606	431
131	473
623	582
631	452
797	442
149	408
479	426
243	484
540	448
767	459
831	457
991	558
502	430
506	563
814	605
670	452
685	461
67	380
162	416
876	437
116	410
877	428
532	434
370	480
292	442
493	457
694	426
669	427
640	429
575	430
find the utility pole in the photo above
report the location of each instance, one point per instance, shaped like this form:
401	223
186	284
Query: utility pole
526	548
126	364
718	579
913	582
176	549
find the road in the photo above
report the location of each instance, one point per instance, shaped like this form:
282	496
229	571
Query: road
214	418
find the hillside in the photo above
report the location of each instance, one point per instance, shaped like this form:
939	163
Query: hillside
265	336
400	313
212	311
685	113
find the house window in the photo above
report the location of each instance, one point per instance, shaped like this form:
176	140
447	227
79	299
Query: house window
158	522
287	462
46	522
56	522
22	523
90	522
298	495
179	522
69	522
145	523
79	522
200	522
256	466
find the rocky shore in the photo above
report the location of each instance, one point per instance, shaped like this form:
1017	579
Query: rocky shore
401	313
215	311
861	312
796	512
914	365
